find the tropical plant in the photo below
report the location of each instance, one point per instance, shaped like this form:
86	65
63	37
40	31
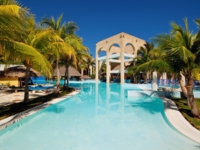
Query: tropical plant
89	61
144	55
178	53
59	51
17	39
81	53
14	8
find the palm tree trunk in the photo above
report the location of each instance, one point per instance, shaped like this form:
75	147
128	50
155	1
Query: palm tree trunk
26	92
190	98
58	73
67	73
183	88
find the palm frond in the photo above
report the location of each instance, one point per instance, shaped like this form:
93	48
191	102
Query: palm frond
13	7
197	21
158	65
37	60
71	27
163	41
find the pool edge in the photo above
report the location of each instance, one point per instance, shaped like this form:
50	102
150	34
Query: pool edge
178	121
17	117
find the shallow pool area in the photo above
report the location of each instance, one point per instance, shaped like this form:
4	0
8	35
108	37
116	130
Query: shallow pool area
100	117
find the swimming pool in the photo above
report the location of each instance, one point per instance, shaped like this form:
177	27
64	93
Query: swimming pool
100	117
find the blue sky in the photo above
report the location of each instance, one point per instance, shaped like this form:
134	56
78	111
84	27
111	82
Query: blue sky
100	19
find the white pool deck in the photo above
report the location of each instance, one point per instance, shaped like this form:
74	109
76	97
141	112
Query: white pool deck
178	121
171	111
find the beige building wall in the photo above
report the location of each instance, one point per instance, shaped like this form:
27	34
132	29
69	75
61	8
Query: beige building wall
121	43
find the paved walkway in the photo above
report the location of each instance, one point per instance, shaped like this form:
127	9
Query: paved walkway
179	122
8	97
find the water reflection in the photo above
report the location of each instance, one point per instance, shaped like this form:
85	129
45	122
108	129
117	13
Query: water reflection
56	109
99	117
111	98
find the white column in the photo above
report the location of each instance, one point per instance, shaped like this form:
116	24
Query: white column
154	82
164	75
122	61
97	67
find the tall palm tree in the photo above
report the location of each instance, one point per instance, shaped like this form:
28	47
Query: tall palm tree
61	30
144	55
89	61
81	52
181	54
16	40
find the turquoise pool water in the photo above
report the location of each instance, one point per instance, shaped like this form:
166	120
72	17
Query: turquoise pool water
100	117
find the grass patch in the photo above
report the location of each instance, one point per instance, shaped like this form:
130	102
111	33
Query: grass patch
7	111
185	111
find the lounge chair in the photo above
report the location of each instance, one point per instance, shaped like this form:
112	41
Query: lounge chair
176	82
2	86
41	87
196	84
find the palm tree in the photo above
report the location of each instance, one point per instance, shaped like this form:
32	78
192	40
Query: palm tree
61	31
144	55
89	61
179	52
80	49
183	53
18	38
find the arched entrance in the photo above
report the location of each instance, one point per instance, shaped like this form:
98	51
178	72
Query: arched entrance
122	49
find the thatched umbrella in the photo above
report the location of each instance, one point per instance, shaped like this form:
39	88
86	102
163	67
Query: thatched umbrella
72	71
85	77
20	72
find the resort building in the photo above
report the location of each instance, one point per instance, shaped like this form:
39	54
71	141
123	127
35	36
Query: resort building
120	49
10	80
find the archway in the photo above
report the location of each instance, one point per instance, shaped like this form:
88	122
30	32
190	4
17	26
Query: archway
121	48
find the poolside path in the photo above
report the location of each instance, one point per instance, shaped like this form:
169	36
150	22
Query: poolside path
178	121
8	97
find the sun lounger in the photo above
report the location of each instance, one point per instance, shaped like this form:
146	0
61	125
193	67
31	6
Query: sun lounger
196	84
2	86
41	87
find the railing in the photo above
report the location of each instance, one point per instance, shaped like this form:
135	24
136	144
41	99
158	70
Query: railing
169	82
